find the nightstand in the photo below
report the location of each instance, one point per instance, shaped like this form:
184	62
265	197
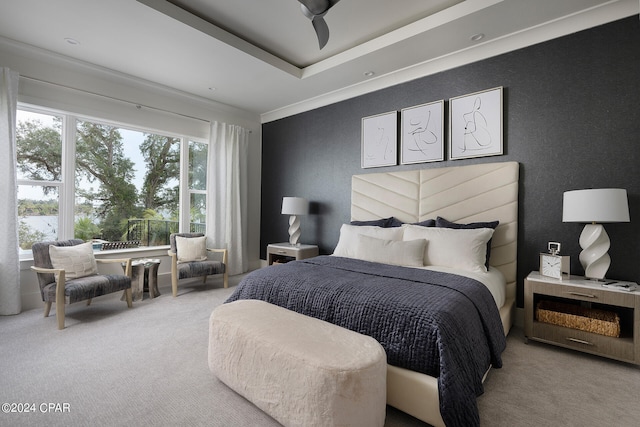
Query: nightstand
580	294
283	252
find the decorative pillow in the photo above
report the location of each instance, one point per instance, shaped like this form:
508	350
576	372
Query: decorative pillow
76	261
383	222
348	237
441	222
426	223
191	248
394	222
465	249
405	253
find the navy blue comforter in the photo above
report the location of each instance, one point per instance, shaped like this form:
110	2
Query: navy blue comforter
440	324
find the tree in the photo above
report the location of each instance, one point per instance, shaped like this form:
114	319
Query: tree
198	165
28	236
39	151
198	181
162	156
100	157
85	229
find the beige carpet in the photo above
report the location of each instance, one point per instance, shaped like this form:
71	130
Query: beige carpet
147	365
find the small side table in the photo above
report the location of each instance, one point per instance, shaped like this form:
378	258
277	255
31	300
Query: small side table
582	292
283	252
144	276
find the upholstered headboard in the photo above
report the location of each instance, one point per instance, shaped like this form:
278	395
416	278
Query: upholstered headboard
482	192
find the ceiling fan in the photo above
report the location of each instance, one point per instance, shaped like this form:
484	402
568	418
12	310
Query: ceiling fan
315	10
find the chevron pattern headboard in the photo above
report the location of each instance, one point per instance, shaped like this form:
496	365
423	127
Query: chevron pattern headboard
482	192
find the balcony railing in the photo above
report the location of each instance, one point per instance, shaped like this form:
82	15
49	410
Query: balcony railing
155	232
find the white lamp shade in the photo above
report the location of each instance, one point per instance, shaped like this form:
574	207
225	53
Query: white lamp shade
295	206
595	205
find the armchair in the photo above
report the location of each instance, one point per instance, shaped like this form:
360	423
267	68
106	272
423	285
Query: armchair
189	258
67	273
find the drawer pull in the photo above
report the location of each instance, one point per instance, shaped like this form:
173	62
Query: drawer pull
579	294
282	251
579	341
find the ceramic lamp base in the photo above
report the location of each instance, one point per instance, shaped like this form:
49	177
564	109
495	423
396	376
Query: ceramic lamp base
294	229
595	244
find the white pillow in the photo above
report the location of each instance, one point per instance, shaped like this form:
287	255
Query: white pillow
76	261
348	237
191	248
465	249
407	253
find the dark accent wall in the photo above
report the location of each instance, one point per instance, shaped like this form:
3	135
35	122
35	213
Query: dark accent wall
571	118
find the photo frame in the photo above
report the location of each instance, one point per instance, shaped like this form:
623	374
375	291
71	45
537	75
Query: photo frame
422	130
475	124
380	140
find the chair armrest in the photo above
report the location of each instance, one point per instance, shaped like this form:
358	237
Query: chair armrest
60	284
47	270
221	251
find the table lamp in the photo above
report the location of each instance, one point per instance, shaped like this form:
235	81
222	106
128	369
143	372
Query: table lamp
593	207
294	206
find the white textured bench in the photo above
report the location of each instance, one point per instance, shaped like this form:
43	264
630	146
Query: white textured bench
300	370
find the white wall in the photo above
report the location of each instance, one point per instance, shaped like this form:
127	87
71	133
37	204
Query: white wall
63	83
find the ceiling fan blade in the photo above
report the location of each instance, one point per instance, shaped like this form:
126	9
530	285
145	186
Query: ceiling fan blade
322	30
315	10
316	7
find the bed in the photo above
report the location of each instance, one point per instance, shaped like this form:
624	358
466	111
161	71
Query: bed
482	193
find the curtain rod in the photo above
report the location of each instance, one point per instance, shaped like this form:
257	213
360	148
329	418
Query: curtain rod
137	105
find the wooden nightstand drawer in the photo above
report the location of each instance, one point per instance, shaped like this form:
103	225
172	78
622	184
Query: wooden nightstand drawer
615	348
284	252
588	294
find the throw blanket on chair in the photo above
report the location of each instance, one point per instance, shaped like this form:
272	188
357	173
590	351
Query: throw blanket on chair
440	324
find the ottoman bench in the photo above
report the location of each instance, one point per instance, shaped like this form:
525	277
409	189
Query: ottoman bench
300	370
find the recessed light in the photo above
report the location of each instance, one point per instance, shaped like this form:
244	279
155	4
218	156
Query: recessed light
72	41
369	74
212	89
476	37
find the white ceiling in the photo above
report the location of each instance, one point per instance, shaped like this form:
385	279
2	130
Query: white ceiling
263	56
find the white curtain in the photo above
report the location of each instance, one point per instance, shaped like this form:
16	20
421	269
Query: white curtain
10	300
227	193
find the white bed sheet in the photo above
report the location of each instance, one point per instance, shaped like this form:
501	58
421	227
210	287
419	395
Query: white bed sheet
493	279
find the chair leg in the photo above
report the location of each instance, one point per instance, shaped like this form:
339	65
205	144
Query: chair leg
47	308
226	280
89	301
204	280
174	285
127	293
60	313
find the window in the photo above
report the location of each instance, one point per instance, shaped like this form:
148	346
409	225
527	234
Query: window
39	172
104	182
197	186
129	183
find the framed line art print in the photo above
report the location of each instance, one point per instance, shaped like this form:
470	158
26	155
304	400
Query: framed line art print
422	130
380	140
475	124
